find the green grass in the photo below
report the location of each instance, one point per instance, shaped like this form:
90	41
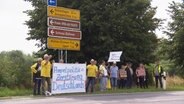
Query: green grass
135	89
6	92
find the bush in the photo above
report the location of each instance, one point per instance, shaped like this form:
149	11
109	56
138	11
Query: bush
15	69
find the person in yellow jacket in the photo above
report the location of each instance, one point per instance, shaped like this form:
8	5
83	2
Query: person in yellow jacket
158	71
92	71
36	69
46	74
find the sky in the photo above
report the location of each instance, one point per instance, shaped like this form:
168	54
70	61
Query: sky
13	32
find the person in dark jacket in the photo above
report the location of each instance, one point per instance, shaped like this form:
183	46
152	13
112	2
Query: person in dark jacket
129	71
146	78
36	69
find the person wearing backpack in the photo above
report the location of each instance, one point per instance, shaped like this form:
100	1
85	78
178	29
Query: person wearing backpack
36	69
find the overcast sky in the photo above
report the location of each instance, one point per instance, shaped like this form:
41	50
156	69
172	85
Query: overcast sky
13	32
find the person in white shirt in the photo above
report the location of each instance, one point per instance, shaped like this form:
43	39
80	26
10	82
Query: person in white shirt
103	76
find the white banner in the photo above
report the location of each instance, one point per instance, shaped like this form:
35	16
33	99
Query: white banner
68	78
115	56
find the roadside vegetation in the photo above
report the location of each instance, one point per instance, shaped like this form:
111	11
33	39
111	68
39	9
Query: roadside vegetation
107	25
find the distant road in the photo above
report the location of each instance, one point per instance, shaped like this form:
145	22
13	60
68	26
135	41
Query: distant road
124	98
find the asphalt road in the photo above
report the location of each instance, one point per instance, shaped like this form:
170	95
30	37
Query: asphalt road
124	98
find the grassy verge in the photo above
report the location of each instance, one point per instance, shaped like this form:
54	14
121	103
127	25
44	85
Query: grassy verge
6	92
150	89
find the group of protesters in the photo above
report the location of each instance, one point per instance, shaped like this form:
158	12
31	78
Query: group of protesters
42	74
122	77
108	74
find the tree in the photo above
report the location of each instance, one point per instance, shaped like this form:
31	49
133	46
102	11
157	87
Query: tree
176	34
107	25
15	69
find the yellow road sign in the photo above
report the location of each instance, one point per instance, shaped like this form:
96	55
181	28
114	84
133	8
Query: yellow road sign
65	44
61	12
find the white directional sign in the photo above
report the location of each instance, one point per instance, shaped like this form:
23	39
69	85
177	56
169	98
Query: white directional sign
63	23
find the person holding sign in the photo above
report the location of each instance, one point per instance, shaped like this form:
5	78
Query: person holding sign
114	75
92	71
36	68
45	74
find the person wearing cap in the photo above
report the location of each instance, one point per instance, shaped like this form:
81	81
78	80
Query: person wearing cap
46	74
114	75
92	71
36	69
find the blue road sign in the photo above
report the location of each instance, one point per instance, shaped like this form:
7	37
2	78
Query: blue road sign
52	2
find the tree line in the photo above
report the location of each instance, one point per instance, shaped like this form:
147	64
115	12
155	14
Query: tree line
107	25
15	69
111	25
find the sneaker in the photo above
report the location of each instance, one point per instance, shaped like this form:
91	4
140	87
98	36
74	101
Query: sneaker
47	93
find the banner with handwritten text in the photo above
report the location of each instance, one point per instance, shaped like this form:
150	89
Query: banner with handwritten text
68	78
115	56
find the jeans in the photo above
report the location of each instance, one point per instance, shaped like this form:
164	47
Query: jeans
48	80
122	83
129	82
141	82
113	82
37	86
90	81
158	78
103	83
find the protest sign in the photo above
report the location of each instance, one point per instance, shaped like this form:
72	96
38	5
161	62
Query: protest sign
115	56
68	78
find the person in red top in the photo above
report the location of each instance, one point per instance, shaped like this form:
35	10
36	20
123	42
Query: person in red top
141	74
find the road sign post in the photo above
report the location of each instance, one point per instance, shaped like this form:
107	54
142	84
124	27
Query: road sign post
63	29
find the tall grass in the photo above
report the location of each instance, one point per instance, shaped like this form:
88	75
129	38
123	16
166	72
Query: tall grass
175	81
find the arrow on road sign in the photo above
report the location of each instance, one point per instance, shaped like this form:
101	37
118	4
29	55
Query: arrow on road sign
52	11
76	44
52	32
52	2
51	22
